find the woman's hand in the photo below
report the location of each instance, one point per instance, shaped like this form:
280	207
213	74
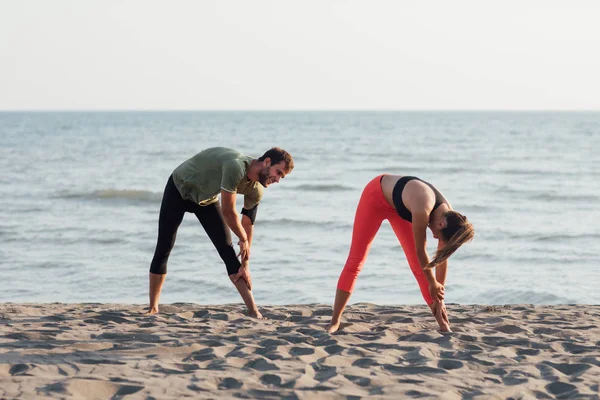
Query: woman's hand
436	290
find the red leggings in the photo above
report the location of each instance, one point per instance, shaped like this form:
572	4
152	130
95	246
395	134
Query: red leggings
372	209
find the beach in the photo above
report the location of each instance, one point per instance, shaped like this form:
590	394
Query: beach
89	350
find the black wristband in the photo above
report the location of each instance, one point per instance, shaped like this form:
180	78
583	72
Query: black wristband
251	213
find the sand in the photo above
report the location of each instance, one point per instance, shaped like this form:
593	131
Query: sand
103	351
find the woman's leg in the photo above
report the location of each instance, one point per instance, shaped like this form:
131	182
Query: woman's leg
367	221
404	233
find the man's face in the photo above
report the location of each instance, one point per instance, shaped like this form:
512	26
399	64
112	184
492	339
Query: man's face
271	173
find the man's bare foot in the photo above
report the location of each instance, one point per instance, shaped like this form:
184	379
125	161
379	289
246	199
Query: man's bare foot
441	316
333	327
256	314
153	310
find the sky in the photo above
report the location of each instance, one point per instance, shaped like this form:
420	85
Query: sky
299	55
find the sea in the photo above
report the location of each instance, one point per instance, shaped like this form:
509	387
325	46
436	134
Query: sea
80	194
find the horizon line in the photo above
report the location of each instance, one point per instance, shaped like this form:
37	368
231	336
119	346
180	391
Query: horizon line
250	110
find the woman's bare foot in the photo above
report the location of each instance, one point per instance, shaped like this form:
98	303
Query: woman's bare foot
152	310
333	327
441	316
256	314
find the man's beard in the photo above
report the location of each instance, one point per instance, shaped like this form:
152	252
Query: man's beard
263	177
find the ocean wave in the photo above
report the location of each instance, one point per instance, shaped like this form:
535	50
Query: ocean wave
385	169
114	194
544	237
332	187
474	208
528	172
418	170
561	237
524	297
564	197
302	223
551	260
545	196
487	257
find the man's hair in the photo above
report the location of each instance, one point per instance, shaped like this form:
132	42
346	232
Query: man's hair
278	155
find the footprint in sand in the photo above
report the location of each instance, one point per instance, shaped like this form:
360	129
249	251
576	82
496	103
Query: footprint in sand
32	335
528	352
273	343
362	381
450	364
269	394
510	329
261	365
206	354
301	351
237	352
574	348
396	369
562	389
410	381
334	349
515	378
569	369
320	372
271	380
503	341
131	337
20	369
365	362
230	383
91	389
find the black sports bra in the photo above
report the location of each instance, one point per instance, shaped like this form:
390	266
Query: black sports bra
397	197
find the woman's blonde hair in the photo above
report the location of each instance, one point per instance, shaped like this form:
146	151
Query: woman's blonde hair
458	231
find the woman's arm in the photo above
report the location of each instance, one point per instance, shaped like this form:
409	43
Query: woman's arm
419	226
441	269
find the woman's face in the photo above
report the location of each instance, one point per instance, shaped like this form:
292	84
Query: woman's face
436	227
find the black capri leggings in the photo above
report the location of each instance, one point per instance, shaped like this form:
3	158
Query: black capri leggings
172	209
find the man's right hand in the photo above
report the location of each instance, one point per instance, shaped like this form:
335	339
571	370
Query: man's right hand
436	290
244	253
244	273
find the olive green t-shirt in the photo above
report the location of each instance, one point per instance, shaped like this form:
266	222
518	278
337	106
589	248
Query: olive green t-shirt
202	177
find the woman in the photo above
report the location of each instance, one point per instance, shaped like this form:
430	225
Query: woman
411	205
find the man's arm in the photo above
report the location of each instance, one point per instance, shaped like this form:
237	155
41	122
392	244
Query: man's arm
248	218
231	176
232	218
248	228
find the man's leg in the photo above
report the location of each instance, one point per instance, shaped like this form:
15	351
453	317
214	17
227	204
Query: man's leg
247	297
156	283
217	230
170	217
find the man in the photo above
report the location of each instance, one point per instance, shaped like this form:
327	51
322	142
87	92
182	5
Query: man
194	187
